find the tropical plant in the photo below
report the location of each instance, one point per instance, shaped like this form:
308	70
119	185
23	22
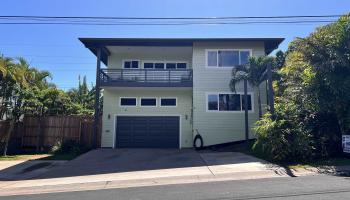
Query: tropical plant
17	78
255	72
315	84
83	95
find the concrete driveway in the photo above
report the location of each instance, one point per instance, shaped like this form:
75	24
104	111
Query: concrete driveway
117	168
156	162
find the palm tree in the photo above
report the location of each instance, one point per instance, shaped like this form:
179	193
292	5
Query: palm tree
16	76
255	72
82	94
12	78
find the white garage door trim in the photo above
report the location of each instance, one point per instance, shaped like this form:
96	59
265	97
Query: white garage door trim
144	115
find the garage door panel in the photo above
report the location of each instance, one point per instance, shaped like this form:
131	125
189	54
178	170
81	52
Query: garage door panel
147	131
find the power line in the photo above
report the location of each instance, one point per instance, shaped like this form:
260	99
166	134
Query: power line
166	24
15	44
164	21
64	63
168	18
43	56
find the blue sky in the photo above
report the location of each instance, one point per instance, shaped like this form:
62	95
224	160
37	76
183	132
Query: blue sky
56	47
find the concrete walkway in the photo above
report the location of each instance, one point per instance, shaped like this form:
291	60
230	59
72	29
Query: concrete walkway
102	169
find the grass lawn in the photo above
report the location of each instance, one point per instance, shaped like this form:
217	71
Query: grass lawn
38	157
337	161
247	149
341	161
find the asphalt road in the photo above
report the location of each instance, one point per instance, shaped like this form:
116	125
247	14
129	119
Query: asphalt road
308	187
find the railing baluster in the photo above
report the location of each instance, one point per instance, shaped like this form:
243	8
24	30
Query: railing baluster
169	76
145	75
150	77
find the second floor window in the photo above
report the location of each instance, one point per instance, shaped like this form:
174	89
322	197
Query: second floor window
164	65
227	58
131	64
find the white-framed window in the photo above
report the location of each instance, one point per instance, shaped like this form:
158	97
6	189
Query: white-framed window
164	65
228	102
168	101
148	102
227	57
128	101
131	64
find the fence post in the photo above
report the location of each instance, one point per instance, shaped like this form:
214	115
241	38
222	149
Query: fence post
38	134
79	130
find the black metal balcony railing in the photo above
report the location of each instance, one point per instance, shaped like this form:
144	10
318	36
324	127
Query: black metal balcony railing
146	77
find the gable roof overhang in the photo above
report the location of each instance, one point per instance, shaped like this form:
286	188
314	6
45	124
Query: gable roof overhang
93	44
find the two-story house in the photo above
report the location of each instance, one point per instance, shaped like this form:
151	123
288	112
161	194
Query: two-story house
161	93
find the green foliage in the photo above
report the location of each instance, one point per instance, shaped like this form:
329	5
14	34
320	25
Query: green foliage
25	90
82	97
312	97
283	138
68	147
255	72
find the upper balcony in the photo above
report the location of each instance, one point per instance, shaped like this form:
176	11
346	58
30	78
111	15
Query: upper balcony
146	77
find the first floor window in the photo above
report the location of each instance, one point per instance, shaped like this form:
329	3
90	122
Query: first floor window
227	102
213	102
148	101
128	101
249	102
168	102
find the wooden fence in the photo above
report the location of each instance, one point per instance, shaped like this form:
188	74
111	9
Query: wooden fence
36	133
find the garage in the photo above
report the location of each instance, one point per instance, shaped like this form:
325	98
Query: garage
147	131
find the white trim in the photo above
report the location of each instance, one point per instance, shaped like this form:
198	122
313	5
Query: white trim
120	102
140	99
130	60
217	57
135	115
228	111
160	102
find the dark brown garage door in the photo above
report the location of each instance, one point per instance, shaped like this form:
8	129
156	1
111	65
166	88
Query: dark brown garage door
147	131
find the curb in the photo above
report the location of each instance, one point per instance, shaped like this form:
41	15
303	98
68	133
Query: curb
12	190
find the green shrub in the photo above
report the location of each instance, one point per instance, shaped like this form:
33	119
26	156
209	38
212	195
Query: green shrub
282	138
69	147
